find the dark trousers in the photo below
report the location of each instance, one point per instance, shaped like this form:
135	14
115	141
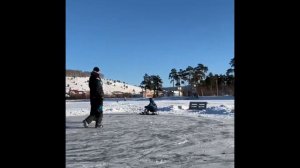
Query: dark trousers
150	108
96	113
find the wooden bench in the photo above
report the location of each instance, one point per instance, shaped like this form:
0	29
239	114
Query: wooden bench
198	105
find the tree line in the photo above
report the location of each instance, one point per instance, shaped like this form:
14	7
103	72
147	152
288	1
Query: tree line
196	80
152	82
78	73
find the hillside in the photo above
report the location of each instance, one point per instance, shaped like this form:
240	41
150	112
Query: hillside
111	88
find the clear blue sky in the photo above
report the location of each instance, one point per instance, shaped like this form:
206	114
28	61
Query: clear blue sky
128	38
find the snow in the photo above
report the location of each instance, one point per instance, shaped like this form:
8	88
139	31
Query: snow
215	108
109	86
177	137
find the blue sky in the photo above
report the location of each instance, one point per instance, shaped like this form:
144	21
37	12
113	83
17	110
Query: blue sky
128	38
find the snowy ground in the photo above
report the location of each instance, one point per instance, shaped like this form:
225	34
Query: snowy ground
177	137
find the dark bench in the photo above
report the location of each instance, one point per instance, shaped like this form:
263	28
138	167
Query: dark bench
198	105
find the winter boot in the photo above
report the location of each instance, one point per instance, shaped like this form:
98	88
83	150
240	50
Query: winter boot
98	126
87	121
85	124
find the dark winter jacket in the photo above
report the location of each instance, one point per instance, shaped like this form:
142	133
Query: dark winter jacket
95	84
152	106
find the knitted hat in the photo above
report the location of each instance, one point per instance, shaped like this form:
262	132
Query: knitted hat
96	69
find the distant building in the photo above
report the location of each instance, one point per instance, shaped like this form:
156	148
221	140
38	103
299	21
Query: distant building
172	91
179	91
148	93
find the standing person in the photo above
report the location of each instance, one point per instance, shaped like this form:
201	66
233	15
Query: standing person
96	99
152	107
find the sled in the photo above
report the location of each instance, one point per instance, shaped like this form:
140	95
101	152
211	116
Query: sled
148	113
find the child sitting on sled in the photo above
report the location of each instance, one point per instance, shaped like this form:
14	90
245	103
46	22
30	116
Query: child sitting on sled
151	107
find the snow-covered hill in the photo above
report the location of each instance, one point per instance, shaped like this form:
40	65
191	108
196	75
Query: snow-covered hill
109	86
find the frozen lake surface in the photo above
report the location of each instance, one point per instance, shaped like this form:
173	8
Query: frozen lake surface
176	137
